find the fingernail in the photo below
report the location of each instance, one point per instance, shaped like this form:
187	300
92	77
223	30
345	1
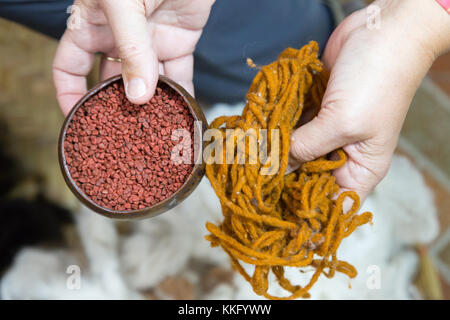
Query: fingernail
291	167
136	88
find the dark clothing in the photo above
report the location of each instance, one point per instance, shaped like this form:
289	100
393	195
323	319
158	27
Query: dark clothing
236	29
46	16
258	29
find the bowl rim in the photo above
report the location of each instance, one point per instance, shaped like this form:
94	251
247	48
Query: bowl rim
194	178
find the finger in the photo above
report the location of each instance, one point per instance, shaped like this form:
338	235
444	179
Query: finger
364	169
362	184
316	138
70	68
348	202
181	71
109	68
133	41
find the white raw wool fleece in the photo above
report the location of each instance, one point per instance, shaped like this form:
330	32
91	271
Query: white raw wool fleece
410	198
44	274
118	267
101	244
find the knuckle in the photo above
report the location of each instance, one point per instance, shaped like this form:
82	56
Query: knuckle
350	127
300	151
346	122
130	51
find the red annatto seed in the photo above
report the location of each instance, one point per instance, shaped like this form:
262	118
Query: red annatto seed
119	153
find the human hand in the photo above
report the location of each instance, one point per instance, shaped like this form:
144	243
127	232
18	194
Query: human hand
149	36
374	75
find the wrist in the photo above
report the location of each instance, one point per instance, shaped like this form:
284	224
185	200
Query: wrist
422	22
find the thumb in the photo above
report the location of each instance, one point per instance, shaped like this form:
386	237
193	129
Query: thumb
315	139
133	42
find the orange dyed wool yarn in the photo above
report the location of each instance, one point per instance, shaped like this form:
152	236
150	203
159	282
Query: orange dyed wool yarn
276	221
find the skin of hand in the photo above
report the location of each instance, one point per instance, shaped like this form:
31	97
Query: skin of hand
149	36
375	73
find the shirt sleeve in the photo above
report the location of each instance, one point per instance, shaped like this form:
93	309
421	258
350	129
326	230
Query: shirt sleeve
46	16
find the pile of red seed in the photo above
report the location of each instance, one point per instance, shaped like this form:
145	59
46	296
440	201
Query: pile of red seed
119	154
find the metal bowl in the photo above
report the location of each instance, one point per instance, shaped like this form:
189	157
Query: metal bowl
182	193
